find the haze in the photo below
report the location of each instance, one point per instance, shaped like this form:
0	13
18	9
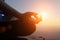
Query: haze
50	27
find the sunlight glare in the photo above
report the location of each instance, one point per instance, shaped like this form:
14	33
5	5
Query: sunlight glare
44	16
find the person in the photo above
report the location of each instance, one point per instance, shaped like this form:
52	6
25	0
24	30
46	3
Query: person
27	24
24	26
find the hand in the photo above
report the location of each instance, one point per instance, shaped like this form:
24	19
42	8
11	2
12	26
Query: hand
29	14
39	20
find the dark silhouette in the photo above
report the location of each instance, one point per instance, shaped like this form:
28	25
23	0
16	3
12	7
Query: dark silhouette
23	25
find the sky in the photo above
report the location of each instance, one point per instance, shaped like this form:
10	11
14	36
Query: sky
51	24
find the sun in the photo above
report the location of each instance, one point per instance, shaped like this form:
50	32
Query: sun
43	15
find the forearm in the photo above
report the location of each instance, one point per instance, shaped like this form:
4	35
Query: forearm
9	10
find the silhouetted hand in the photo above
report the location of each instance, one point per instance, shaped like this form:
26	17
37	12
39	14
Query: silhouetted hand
35	18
